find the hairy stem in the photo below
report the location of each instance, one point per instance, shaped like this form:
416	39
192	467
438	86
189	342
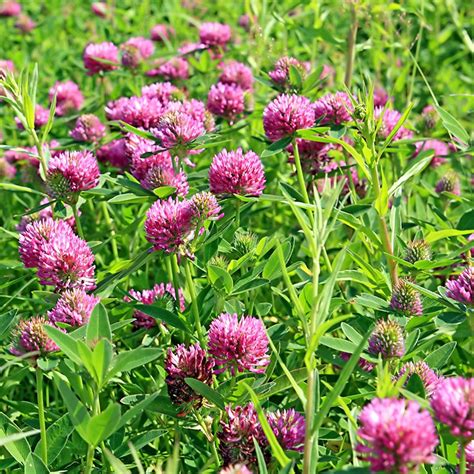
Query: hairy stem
351	43
110	225
80	232
194	305
42	421
299	172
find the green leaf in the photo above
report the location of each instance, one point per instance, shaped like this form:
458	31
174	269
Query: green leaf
271	270
14	440
65	342
415	168
103	425
262	465
395	129
220	278
440	357
128	360
277	450
415	385
102	357
98	326
76	410
206	391
164	191
276	147
338	344
57	435
117	465
34	465
452	125
128	198
137	409
20	189
243	287
163	315
443	234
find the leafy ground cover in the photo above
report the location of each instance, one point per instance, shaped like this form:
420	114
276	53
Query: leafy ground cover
236	237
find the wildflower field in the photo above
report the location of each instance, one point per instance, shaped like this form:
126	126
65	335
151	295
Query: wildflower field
236	237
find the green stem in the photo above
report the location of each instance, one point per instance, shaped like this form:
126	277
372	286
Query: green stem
89	459
42	421
462	460
299	172
237	214
174	275
110	225
194	305
40	151
80	232
351	43
386	242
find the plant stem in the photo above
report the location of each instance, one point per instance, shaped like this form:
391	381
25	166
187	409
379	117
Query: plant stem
351	43
194	305
462	460
309	416
109	223
386	242
89	459
299	172
237	214
174	275
80	232
42	421
40	151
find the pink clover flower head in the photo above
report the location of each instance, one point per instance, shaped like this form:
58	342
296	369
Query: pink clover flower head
453	405
169	226
68	97
364	364
389	119
205	207
141	112
289	427
160	32
30	336
397	435
115	153
160	174
66	261
449	183
238	74
88	129
100	9
440	149
10	8
236	469
333	108
159	292
238	345
226	100
280	74
430	116
286	114
215	34
25	24
185	362
100	57
238	430
236	172
74	307
36	235
173	69
462	288
427	375
7	170
71	172
380	97
163	91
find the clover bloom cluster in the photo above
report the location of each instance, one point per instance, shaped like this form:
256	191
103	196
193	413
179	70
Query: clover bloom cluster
71	172
333	109
387	339
286	114
397	436
453	405
143	46
389	119
30	336
161	173
280	74
115	152
173	69
88	129
160	291
181	363
235	469
62	258
380	97
289	427
462	288
314	156
10	8
417	250
406	300
237	74
215	34
427	375
226	100
440	150
161	32
7	170
236	172
74	307
163	91
100	57
68	97
238	430
449	183
238	344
